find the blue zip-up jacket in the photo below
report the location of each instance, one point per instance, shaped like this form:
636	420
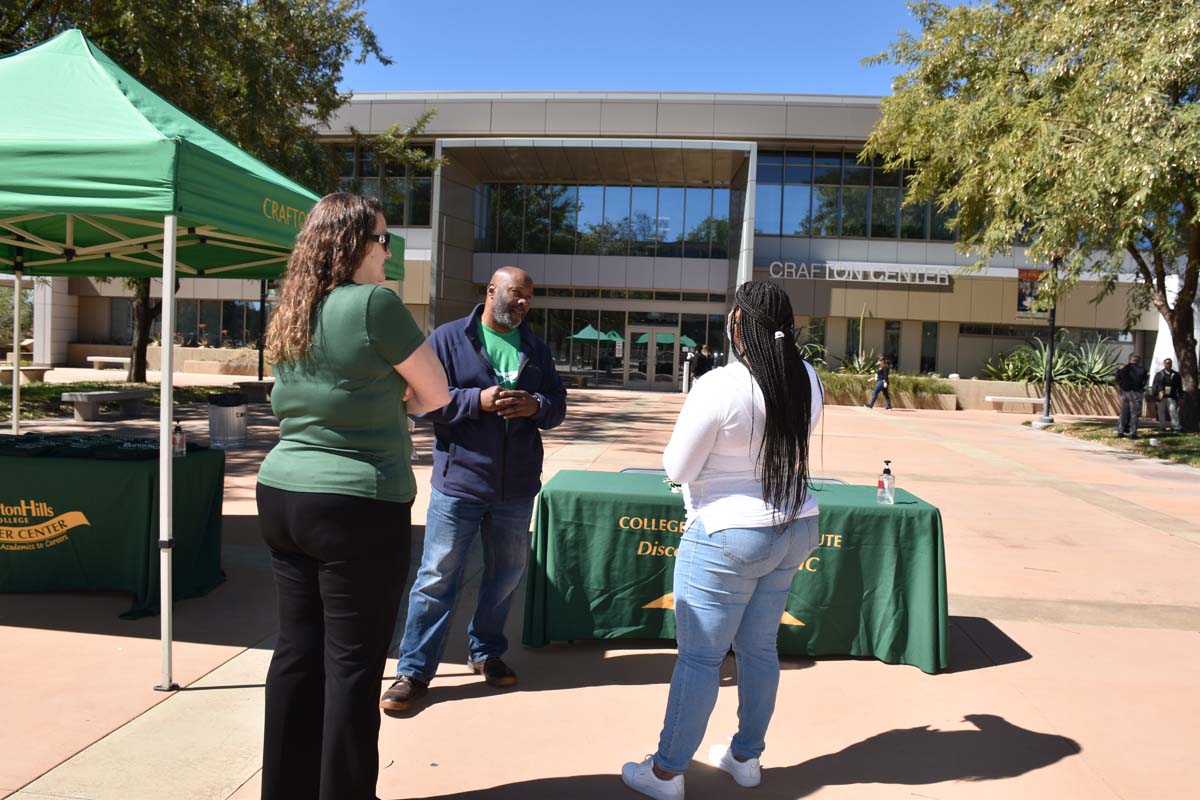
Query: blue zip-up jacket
475	455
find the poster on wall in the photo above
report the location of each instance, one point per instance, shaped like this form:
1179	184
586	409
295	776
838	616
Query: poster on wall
1027	288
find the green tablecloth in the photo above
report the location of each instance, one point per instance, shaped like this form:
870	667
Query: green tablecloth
603	560
73	524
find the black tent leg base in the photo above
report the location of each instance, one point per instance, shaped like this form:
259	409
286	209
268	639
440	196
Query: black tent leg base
174	687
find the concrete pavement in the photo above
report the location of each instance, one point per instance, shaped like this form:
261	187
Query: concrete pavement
1075	621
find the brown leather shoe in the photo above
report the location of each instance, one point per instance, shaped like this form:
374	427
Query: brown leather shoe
494	671
403	693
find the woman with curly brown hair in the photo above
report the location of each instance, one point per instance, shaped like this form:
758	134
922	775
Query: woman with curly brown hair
335	498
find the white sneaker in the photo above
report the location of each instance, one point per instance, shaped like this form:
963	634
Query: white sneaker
745	773
640	777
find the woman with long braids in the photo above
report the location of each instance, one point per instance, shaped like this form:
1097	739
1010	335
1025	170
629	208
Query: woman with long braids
335	498
740	449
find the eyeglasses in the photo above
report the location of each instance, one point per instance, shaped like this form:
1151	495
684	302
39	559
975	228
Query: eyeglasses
384	239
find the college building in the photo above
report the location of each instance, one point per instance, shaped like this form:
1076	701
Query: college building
637	214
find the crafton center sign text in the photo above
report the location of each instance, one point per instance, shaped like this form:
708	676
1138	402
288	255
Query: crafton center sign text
915	275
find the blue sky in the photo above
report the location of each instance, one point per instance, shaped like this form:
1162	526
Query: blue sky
802	46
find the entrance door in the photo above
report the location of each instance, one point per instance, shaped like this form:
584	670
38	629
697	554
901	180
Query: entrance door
652	360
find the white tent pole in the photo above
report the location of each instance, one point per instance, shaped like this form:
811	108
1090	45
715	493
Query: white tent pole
165	451
16	354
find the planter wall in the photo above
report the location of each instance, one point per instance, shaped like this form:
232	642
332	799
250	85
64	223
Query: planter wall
1093	401
212	360
937	402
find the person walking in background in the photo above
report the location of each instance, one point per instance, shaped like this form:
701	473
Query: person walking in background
883	371
740	448
702	363
335	497
1131	381
1167	388
487	467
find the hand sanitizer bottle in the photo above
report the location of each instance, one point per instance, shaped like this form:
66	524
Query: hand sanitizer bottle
885	491
178	442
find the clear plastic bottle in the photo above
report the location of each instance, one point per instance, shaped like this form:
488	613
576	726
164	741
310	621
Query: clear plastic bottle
178	442
885	491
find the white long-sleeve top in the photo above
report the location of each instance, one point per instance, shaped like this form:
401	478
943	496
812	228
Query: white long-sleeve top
714	448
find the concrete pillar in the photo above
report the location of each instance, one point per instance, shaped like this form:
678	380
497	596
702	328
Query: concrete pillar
55	320
835	340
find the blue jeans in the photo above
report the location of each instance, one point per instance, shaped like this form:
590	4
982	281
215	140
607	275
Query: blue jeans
731	588
879	387
450	528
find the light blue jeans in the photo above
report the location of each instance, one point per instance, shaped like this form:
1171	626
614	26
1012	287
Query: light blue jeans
731	588
451	525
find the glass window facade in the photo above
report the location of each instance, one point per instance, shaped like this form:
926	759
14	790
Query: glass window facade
828	193
891	342
198	323
664	221
929	346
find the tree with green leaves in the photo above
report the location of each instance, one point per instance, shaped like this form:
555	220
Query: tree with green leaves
396	148
1072	126
263	73
6	314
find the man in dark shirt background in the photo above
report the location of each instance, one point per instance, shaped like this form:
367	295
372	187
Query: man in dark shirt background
1167	389
1131	380
701	362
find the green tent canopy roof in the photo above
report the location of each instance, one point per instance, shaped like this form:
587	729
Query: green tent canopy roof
667	338
94	160
587	332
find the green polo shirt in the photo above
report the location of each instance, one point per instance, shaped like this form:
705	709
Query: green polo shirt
342	422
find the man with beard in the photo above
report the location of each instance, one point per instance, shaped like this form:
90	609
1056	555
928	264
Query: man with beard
487	465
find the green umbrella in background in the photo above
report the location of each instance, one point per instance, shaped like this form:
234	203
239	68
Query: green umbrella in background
588	333
668	338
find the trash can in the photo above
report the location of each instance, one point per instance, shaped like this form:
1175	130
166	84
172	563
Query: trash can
227	420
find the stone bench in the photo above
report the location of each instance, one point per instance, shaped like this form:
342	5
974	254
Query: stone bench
998	401
29	374
256	391
575	379
87	404
98	362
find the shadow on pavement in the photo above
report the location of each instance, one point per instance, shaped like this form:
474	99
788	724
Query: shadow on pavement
976	643
577	666
995	749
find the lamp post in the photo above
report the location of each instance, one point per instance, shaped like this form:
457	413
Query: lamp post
1047	417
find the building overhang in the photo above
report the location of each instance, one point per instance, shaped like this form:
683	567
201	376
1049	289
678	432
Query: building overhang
672	162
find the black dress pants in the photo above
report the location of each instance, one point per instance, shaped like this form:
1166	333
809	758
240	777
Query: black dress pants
340	565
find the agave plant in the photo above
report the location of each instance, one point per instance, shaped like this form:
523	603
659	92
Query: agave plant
1093	364
810	349
1097	363
860	363
1065	367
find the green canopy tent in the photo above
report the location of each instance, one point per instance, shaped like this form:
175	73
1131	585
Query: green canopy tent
104	178
588	333
667	338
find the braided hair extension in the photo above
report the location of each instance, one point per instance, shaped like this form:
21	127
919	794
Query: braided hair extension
769	352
